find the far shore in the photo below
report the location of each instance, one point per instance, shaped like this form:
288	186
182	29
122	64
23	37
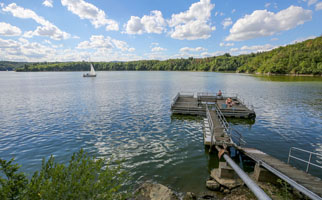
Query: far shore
257	73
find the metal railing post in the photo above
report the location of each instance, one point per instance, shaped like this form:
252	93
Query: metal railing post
289	154
308	164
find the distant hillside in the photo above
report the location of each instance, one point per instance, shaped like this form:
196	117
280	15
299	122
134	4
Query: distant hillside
300	58
7	65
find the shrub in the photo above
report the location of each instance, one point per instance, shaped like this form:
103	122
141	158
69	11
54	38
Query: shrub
84	177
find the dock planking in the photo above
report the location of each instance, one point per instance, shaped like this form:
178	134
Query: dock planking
218	133
311	183
196	105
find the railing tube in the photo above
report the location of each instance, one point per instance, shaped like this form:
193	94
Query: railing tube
258	192
308	164
289	155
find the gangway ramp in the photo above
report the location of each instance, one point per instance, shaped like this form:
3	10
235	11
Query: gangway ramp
307	184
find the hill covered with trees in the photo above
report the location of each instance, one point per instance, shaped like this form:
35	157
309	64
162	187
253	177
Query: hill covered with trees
300	58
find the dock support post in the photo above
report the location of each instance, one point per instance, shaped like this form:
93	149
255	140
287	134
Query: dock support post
258	192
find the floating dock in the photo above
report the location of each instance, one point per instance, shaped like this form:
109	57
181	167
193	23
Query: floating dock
195	104
219	134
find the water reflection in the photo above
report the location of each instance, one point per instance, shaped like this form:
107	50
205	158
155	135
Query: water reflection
127	115
285	78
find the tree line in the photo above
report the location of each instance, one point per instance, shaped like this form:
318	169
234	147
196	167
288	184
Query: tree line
300	58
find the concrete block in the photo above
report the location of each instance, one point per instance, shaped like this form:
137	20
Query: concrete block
263	175
226	171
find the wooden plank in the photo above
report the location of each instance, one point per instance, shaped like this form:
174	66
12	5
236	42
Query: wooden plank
310	182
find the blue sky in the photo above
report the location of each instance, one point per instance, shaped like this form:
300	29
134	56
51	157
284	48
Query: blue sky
121	30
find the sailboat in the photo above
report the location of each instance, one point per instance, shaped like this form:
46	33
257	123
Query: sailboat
92	73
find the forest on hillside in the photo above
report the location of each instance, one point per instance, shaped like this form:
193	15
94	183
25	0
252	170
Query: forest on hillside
300	58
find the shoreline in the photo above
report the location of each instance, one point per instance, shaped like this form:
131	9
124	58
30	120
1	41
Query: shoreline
231	72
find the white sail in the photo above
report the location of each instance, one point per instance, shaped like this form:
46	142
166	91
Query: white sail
92	70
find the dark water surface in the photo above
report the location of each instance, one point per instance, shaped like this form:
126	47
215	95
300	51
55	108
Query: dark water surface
127	115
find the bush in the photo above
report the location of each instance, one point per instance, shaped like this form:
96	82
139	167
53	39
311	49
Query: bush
84	177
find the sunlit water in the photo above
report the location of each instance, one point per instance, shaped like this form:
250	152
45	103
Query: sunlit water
127	115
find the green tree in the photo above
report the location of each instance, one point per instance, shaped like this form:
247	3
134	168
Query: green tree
84	177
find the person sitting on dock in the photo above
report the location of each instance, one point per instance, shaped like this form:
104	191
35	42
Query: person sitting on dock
219	95
229	102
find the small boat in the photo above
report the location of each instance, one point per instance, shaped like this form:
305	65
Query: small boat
92	73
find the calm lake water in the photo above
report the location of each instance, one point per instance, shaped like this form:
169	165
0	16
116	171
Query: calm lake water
127	115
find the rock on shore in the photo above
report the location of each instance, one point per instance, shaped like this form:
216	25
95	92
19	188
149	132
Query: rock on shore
155	191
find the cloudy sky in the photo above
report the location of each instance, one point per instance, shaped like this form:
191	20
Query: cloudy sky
120	30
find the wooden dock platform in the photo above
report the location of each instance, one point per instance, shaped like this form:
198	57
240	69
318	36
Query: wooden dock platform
311	183
191	104
219	135
217	132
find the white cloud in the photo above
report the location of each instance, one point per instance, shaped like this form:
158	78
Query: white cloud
189	49
23	50
155	44
156	56
9	30
88	11
302	39
222	44
101	42
157	49
274	39
47	28
233	11
233	49
194	23
48	3
211	54
227	22
267	5
258	48
318	6
311	2
153	23
264	23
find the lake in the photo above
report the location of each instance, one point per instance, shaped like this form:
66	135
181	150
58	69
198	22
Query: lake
127	115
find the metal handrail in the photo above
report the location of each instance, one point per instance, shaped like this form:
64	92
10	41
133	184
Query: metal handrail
211	125
229	130
175	99
184	93
190	104
206	94
222	119
305	161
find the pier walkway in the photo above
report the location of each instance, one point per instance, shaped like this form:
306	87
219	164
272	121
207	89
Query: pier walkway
218	133
309	185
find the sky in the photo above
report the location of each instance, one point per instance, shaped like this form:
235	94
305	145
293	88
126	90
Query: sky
125	30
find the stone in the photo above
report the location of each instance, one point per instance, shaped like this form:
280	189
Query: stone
154	191
227	182
263	175
190	196
226	171
212	185
226	191
209	195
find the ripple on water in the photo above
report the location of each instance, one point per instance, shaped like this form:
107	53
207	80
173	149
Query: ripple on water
126	115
